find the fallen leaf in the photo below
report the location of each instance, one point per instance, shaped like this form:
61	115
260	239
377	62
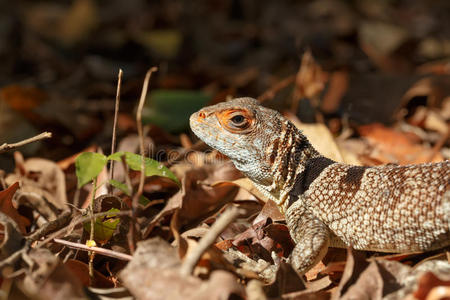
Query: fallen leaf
286	281
7	207
427	283
396	147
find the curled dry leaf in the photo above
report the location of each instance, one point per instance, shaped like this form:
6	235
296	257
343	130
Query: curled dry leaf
385	279
48	278
434	89
43	178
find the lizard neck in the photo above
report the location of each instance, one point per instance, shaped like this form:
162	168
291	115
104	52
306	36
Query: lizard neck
286	155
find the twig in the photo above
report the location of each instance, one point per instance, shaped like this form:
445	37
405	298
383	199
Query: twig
270	93
10	260
116	114
138	194
102	251
62	220
208	239
438	146
5	147
127	175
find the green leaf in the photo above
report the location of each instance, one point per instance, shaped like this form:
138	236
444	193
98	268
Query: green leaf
116	156
104	227
152	167
121	186
170	109
88	165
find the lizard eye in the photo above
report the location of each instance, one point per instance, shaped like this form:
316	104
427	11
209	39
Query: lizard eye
236	120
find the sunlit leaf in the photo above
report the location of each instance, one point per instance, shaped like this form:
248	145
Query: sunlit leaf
88	165
116	156
152	167
121	186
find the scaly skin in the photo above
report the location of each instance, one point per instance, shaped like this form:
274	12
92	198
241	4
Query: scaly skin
385	208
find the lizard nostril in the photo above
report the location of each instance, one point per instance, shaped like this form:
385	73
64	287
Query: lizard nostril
202	115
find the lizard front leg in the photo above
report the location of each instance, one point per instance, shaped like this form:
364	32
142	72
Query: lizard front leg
310	235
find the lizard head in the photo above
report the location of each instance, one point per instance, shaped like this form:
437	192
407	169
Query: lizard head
242	130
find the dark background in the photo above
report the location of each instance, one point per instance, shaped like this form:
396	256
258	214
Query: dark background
60	59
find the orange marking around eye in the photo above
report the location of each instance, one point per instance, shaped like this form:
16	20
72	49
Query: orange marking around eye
225	116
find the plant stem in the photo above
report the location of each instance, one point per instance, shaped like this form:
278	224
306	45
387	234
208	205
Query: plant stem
91	237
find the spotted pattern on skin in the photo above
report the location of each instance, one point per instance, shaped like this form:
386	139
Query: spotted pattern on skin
390	208
386	208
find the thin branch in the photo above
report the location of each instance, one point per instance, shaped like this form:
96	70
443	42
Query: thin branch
5	147
61	221
138	194
98	250
208	239
116	114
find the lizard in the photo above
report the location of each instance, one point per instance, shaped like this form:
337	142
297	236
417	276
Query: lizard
387	208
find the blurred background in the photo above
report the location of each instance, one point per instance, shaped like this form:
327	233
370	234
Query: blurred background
356	62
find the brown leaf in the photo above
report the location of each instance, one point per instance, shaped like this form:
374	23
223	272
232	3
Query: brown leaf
269	210
44	178
375	280
50	279
355	264
435	89
7	207
427	283
310	80
396	147
244	183
197	199
287	281
153	273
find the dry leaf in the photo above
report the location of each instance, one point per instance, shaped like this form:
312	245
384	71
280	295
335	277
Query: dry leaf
7	207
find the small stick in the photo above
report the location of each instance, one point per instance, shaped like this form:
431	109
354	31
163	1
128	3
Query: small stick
102	251
5	147
61	221
135	199
208	239
116	114
438	146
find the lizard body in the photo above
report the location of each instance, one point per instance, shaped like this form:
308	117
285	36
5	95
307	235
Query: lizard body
384	208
